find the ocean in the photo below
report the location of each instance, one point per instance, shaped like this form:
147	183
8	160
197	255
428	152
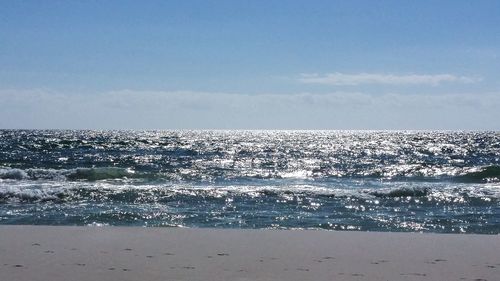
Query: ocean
404	181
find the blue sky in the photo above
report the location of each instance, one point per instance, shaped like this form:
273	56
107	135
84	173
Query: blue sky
250	64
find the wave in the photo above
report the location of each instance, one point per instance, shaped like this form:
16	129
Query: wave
31	195
394	206
88	174
324	193
402	192
15	174
485	174
93	174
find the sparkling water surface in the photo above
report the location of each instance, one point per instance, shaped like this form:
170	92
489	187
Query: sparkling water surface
439	181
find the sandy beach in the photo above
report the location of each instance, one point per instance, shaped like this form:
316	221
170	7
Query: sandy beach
128	253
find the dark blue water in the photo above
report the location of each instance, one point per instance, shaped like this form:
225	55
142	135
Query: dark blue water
446	182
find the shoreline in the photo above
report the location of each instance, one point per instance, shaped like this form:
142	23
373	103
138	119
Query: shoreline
138	253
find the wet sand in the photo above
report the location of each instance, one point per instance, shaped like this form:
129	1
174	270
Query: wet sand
129	253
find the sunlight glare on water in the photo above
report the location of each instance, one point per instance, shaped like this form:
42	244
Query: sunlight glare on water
343	180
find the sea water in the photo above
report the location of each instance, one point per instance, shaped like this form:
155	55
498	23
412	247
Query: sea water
418	181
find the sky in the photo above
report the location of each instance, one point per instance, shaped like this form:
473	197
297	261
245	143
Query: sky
250	64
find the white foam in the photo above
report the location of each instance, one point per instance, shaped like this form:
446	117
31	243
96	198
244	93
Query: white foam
10	173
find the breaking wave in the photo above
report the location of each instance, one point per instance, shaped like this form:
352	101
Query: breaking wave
155	193
87	174
487	174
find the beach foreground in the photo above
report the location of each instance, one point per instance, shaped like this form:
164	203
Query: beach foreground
128	253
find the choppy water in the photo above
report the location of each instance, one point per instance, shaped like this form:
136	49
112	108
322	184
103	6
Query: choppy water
344	180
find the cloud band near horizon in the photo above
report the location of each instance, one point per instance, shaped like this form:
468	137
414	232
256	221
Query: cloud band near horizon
343	79
128	109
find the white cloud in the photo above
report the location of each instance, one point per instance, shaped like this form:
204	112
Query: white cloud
343	79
